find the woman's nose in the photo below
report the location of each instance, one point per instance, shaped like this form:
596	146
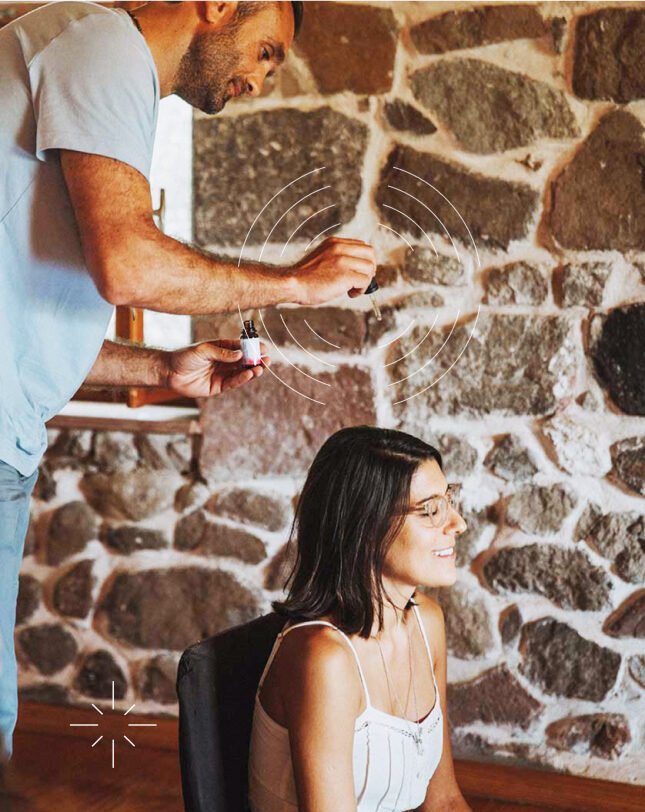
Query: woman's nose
456	522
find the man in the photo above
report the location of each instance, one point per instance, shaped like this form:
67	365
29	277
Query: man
78	104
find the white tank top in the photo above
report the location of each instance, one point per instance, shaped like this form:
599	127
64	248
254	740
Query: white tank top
391	772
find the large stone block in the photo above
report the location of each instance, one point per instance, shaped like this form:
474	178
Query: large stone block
489	109
114	451
510	623
620	537
71	527
241	162
603	735
598	200
135	495
478	26
269	511
566	577
581	283
494	211
314	328
563	663
334	39
195	532
100	676
404	117
510	460
540	509
495	697
608	55
628	457
127	539
73	590
506	365
629	619
577	446
421	264
170	609
70	449
617	350
516	283
49	647
269	429
468	623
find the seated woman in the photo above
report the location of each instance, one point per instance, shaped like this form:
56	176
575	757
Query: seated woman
350	713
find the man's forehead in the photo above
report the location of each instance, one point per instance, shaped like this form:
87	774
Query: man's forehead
275	20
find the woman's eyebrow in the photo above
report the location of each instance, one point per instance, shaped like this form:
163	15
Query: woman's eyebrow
426	498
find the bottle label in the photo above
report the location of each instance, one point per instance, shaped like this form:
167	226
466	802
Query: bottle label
251	355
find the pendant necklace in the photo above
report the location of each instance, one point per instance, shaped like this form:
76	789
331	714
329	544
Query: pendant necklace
416	731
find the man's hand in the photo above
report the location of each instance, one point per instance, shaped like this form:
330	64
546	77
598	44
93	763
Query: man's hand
338	265
124	251
207	369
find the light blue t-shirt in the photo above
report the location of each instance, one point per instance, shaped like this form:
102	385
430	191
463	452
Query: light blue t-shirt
75	76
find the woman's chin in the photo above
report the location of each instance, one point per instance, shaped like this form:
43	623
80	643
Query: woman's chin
446	577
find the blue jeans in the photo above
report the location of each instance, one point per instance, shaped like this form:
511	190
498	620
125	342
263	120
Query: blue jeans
15	495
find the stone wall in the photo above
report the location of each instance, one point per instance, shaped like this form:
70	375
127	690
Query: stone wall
495	158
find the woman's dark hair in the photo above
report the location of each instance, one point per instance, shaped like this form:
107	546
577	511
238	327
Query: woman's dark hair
352	507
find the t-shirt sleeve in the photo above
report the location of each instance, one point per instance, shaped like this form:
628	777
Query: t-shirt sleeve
94	90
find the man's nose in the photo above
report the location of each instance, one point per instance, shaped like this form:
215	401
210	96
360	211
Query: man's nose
253	86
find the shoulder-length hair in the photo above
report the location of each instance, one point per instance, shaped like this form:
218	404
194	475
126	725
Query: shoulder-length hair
352	507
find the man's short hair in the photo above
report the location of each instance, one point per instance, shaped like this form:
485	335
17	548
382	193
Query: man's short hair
298	12
248	9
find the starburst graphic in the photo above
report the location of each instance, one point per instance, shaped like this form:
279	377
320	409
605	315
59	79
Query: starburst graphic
113	740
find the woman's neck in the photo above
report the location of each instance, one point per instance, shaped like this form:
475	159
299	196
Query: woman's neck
395	610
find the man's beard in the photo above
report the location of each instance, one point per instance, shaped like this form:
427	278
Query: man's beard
206	70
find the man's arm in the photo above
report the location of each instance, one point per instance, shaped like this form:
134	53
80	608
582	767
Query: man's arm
133	263
125	365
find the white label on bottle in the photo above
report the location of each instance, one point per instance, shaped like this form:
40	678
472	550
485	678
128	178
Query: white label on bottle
251	354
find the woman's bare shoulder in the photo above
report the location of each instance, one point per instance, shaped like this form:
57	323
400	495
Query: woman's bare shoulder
316	661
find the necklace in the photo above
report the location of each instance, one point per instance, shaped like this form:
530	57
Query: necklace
417	734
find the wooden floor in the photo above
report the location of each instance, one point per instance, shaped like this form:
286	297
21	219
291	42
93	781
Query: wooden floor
56	769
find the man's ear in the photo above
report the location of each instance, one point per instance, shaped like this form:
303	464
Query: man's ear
220	14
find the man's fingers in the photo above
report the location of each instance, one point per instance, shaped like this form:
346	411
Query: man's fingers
240	378
215	352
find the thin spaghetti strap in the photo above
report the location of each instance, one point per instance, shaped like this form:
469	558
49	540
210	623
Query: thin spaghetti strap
347	640
274	651
425	640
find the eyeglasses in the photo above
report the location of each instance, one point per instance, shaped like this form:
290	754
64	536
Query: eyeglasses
436	507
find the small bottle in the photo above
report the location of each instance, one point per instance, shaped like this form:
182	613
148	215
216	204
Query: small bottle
250	345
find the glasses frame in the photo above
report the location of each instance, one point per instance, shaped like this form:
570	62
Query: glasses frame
441	503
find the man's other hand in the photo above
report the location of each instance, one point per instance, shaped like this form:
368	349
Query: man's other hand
210	368
338	265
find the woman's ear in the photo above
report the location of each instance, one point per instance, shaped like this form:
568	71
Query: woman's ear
219	14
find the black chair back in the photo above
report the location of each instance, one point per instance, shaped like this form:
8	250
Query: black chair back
217	680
